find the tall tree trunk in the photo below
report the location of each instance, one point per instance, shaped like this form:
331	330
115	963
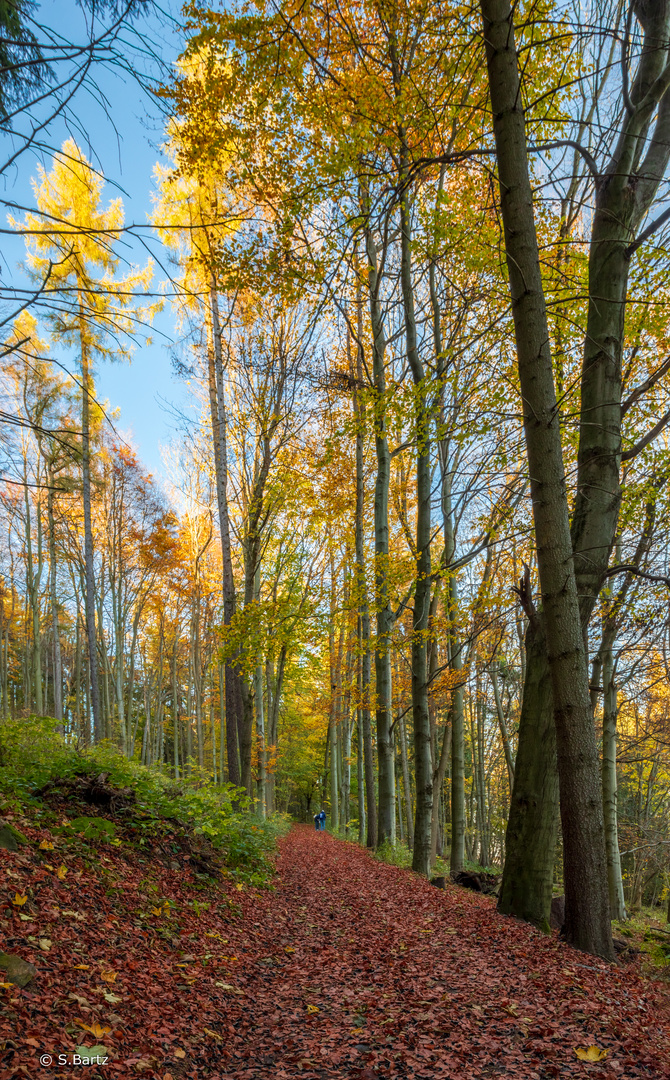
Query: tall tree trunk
175	708
609	780
53	597
33	577
457	852
455	647
89	598
333	715
381	486
587	921
530	841
233	691
360	771
260	714
502	724
439	774
77	677
624	194
423	761
407	787
197	676
385	821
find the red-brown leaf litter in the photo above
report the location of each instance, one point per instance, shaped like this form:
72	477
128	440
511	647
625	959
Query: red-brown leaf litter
347	968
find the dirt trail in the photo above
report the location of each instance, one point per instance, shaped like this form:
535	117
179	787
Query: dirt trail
357	969
347	968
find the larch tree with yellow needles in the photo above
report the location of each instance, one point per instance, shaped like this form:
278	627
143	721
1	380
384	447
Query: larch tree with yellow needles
71	242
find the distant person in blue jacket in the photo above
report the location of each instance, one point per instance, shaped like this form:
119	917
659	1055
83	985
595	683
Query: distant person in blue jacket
317	822
322	820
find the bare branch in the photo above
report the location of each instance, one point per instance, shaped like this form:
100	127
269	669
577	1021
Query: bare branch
639	446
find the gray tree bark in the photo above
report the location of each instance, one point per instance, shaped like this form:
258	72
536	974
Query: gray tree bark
369	817
89	590
233	691
423	758
587	923
624	194
383	705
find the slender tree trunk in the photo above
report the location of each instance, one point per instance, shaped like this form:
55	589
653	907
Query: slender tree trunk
234	707
260	713
383	704
131	724
360	772
502	724
33	592
89	591
196	674
423	763
455	646
222	721
457	852
175	708
407	787
77	677
609	782
53	596
332	722
587	922
369	814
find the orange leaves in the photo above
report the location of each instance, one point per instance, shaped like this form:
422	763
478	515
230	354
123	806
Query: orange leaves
19	899
96	1030
590	1053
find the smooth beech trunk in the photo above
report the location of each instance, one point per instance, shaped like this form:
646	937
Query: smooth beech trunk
502	724
457	850
233	690
89	572
423	758
53	599
609	780
367	805
587	920
407	787
624	194
530	841
383	704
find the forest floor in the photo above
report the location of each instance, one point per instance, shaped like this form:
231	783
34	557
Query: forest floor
347	968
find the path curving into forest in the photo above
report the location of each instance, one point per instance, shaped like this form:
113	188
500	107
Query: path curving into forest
353	968
345	968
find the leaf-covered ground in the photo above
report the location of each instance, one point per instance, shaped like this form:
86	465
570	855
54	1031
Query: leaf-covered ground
349	968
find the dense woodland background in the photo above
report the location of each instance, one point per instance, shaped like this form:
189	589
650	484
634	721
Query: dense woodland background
334	599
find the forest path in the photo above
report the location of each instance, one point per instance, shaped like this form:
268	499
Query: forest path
360	969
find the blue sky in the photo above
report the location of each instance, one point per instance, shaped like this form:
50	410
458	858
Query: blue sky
125	146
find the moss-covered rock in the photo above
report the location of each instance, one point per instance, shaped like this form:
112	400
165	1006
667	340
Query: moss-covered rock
16	970
10	838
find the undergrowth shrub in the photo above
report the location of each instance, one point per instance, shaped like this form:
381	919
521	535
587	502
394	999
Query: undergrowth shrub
33	752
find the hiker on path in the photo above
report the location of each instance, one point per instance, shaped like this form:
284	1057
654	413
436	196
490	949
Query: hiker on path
317	821
322	820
